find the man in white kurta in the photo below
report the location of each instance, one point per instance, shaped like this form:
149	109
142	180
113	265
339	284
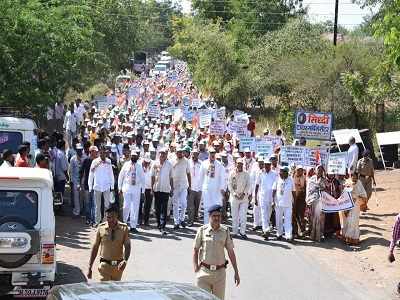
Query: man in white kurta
130	182
239	187
182	181
284	192
254	172
212	175
263	195
352	156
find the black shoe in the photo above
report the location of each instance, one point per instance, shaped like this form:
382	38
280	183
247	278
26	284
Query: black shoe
279	238
266	238
256	228
243	236
176	227
183	224
190	224
134	230
164	232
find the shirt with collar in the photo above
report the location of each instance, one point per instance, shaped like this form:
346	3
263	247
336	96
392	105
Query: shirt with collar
195	175
284	191
162	174
131	177
265	181
101	176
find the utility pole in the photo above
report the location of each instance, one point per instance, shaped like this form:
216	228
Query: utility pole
335	25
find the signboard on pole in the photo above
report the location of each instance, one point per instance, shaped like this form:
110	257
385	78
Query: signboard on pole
313	125
247	142
217	127
337	163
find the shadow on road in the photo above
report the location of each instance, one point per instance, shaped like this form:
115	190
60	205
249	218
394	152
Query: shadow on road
67	273
72	233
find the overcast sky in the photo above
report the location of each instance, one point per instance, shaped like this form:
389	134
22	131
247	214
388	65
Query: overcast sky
350	15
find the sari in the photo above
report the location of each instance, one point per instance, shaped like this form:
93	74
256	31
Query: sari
332	220
351	218
315	186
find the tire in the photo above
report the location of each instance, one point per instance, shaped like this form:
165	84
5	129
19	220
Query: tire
10	261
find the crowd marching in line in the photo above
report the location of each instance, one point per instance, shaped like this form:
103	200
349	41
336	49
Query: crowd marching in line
150	155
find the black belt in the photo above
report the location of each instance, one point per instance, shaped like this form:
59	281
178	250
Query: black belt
113	263
214	267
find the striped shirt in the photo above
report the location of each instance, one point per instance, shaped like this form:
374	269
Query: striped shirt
395	234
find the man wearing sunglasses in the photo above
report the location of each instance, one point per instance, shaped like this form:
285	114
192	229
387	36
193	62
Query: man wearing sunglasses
112	238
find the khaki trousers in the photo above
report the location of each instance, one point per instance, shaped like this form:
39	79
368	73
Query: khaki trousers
212	281
108	272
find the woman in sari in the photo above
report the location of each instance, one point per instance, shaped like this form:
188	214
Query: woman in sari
315	185
332	221
351	218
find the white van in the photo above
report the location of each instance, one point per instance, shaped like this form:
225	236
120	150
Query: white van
14	131
27	232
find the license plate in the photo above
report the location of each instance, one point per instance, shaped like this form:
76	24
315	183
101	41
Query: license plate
31	293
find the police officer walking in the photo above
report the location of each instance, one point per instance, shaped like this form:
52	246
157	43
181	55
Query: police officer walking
111	237
209	260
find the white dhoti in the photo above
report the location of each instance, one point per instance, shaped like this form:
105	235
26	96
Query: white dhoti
131	207
179	205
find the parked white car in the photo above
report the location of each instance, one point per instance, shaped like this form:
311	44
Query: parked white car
27	232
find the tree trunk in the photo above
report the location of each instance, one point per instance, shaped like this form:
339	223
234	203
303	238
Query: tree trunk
380	117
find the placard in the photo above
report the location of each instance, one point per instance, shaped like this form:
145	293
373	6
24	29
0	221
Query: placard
196	103
236	128
153	111
331	205
247	142
292	155
342	136
220	113
313	125
217	127
205	118
238	115
275	140
305	156
337	163
264	147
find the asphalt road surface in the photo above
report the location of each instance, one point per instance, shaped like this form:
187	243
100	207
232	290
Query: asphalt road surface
268	269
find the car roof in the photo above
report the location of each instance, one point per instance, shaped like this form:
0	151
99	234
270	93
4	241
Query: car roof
17	123
162	290
36	174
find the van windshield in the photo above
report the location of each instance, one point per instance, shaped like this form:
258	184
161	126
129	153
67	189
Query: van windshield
22	204
10	140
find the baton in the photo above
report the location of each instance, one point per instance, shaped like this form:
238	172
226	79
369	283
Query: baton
376	196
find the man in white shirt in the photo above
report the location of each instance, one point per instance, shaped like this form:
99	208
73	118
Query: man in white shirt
58	115
162	185
194	198
79	110
212	175
284	191
70	124
263	195
352	156
101	181
254	172
130	182
182	181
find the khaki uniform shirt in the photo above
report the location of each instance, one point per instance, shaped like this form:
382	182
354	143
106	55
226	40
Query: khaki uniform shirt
212	244
365	167
112	249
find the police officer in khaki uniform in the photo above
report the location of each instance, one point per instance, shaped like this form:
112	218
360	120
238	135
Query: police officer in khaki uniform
112	236
209	260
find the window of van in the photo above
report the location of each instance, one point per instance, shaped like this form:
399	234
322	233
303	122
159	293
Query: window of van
22	204
10	140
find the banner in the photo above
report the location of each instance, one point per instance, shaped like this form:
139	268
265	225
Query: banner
313	125
247	142
217	127
265	148
331	205
305	156
337	163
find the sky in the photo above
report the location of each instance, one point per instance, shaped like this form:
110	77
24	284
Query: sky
350	15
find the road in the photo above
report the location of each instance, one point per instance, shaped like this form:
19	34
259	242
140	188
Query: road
268	270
